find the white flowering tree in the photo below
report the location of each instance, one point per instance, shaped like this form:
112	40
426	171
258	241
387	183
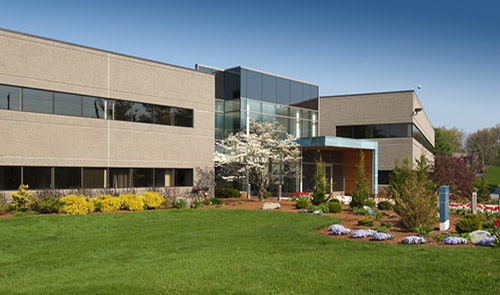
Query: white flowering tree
256	154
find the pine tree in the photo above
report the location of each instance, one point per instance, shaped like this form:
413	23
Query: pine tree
361	196
319	193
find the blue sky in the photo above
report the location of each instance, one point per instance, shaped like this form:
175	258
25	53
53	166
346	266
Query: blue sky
451	48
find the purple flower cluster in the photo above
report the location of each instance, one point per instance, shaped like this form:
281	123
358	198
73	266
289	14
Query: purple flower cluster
413	240
486	242
381	237
454	241
337	229
317	212
363	233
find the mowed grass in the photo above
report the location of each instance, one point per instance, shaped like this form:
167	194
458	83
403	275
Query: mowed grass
224	252
493	177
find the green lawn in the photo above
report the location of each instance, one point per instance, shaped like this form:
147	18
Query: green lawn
224	252
493	177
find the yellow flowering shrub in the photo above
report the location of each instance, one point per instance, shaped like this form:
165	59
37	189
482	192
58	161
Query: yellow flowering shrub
76	205
152	200
131	202
22	200
107	203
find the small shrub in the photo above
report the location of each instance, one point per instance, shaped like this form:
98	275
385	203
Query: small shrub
302	203
423	230
180	204
385	205
267	194
23	213
335	200
107	203
313	208
213	201
49	205
21	200
469	223
197	202
335	207
378	215
240	202
382	229
227	192
366	222
152	200
76	205
131	202
361	211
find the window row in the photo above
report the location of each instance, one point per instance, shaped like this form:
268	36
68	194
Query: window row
239	82
228	123
49	102
77	177
266	108
384	131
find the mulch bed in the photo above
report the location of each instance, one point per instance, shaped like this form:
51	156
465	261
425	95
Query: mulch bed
349	220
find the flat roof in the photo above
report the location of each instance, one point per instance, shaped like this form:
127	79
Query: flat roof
101	50
369	93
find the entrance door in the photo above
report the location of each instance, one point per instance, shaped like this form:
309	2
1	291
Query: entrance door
329	177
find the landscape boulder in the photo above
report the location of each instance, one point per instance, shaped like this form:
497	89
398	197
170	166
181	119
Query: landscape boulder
478	235
270	206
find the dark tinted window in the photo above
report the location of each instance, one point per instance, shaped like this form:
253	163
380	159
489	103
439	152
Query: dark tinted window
10	98
163	115
269	88
37	101
10	177
37	177
121	110
183	117
362	131
142	112
401	130
67	177
381	130
93	107
345	131
119	177
383	177
219	126
243	83
67	104
143	177
163	177
295	92
254	85
183	177
283	91
94	177
232	84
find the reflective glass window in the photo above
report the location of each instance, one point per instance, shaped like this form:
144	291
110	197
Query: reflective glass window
254	106
67	177
142	112
37	177
306	114
10	98
254	85
120	110
283	122
381	131
282	111
292	126
183	177
163	115
119	177
93	107
183	117
232	105
232	84
362	131
283	91
255	116
243	83
295	113
231	122
295	92
94	177
269	88
219	126
67	104
10	177
268	108
306	91
401	130
219	106
163	177
314	91
306	129
37	101
314	131
142	177
267	118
